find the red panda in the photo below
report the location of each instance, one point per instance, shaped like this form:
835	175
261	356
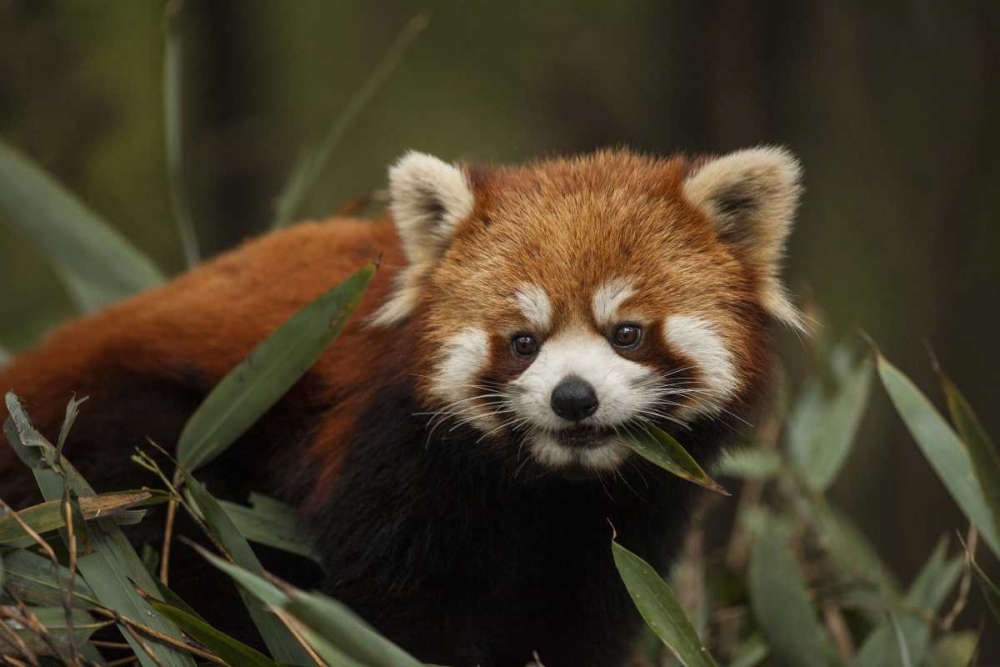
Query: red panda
458	451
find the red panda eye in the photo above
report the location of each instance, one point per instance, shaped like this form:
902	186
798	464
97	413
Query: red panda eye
524	345
626	336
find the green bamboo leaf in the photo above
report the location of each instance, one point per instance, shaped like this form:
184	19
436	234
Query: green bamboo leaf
221	644
48	516
659	447
984	454
94	260
273	524
333	630
173	114
112	568
660	608
749	463
281	643
309	166
945	451
820	449
35	580
260	380
58	630
905	636
780	604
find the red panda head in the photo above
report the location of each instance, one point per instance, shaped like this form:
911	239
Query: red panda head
561	303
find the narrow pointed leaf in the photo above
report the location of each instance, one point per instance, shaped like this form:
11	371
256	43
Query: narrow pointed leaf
820	452
112	568
660	608
327	624
281	643
259	381
48	516
272	524
942	447
984	454
91	257
232	651
35	580
54	620
173	115
780	604
309	167
905	635
659	447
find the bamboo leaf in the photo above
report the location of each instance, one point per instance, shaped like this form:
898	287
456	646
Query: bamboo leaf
273	524
779	602
659	447
982	451
58	631
96	262
112	568
35	580
749	463
173	114
660	608
309	167
944	450
221	644
820	452
48	516
260	380
281	643
329	626
905	636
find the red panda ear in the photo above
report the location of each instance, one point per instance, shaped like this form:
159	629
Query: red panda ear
428	199
751	196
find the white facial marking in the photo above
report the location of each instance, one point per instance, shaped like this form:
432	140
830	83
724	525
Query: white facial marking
622	387
535	306
699	341
463	357
608	298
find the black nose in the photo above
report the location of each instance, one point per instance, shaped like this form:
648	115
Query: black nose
574	399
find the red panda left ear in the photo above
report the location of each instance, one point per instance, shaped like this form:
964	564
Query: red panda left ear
752	195
428	199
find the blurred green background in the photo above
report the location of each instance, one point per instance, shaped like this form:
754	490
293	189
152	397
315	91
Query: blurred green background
891	106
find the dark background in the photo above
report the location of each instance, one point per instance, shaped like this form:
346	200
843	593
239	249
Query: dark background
891	106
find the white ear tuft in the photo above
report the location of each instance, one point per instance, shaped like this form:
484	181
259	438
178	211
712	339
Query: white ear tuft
428	199
752	195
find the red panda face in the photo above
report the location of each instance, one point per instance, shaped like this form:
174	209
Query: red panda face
564	304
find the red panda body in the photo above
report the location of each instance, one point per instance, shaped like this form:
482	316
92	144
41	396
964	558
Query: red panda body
457	452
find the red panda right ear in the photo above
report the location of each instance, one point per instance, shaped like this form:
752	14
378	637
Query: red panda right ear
751	196
428	199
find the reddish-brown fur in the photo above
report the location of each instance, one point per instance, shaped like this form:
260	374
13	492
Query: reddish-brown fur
208	320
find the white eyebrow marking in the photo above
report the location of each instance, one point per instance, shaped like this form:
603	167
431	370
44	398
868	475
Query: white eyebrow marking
699	340
609	297
535	306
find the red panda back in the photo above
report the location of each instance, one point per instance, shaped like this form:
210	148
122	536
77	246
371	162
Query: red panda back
200	326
